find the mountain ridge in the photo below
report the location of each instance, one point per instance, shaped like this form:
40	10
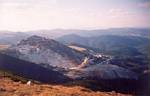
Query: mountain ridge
41	50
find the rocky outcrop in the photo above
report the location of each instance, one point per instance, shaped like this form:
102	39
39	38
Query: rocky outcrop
41	50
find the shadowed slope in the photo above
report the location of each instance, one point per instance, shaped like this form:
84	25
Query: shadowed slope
30	70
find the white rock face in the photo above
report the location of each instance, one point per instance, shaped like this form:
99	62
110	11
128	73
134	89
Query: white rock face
45	56
44	51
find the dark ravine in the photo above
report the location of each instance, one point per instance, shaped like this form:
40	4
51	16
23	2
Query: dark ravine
118	85
144	84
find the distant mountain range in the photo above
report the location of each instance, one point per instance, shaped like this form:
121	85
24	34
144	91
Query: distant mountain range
8	37
142	32
110	44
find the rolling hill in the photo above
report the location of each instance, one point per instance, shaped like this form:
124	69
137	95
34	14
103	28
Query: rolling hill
109	44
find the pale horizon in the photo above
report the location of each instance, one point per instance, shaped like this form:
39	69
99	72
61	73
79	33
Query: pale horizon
74	29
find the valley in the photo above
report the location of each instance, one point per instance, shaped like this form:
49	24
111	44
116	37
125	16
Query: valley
105	65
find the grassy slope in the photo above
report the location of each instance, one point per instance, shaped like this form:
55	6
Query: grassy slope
11	85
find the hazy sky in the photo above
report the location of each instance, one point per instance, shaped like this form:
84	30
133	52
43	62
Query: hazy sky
23	15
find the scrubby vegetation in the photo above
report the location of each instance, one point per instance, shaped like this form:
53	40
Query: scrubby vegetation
12	85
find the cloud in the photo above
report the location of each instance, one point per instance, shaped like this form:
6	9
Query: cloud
27	4
144	5
9	4
49	14
118	12
15	5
